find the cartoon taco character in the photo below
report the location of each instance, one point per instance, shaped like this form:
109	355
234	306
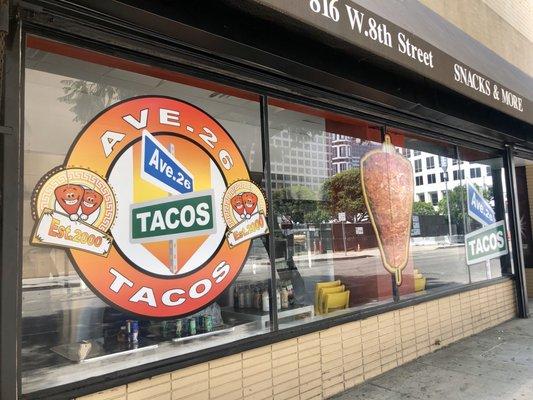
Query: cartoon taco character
90	202
69	197
250	203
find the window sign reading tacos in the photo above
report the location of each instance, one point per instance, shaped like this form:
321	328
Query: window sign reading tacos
154	206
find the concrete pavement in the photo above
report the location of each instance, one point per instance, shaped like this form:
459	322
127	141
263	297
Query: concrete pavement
494	364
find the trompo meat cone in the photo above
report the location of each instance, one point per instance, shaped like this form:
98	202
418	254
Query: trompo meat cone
388	185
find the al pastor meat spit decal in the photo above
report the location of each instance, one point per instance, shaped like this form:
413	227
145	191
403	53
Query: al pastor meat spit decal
154	206
388	185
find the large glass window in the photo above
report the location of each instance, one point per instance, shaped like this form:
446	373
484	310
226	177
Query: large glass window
484	191
127	165
323	235
68	332
334	239
444	227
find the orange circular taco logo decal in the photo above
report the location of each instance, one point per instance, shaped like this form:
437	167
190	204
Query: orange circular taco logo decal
154	206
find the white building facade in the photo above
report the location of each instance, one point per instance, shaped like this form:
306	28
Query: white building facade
432	175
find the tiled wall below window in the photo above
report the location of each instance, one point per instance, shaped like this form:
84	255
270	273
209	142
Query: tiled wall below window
324	363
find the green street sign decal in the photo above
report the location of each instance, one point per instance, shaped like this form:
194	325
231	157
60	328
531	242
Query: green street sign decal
172	217
486	243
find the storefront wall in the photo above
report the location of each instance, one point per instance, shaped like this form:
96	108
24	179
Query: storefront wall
324	363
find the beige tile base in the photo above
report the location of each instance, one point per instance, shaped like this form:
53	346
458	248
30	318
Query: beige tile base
322	364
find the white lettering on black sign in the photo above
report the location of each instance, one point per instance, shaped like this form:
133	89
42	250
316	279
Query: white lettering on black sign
377	31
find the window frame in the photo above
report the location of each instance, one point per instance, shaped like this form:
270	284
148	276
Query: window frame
11	210
418	165
431	194
474	172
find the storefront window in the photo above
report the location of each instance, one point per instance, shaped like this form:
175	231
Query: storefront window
145	215
165	201
323	236
445	221
371	217
485	194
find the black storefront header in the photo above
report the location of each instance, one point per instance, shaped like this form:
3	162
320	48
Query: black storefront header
350	22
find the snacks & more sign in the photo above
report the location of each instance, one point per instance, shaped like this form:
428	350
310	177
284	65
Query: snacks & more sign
348	21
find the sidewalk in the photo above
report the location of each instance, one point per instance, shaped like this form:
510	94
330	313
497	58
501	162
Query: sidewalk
494	364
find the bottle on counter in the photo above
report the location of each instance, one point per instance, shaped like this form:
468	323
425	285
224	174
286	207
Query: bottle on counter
122	335
179	328
290	289
284	294
231	296
248	297
192	326
257	298
242	303
236	303
208	323
278	299
132	329
265	300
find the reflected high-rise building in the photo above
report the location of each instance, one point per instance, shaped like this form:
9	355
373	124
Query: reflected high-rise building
347	152
301	157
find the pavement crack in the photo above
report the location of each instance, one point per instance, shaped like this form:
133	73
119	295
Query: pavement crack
395	391
492	348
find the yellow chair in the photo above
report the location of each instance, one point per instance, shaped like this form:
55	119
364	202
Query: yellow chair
336	301
420	284
326	290
319	285
420	281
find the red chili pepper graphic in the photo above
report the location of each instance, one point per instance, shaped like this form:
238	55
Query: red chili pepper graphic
90	203
250	203
69	198
238	205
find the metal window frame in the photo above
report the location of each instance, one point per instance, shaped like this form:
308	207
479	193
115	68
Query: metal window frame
516	236
227	73
12	192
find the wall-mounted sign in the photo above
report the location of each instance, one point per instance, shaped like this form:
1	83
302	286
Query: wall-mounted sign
388	185
478	207
486	243
348	21
154	206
